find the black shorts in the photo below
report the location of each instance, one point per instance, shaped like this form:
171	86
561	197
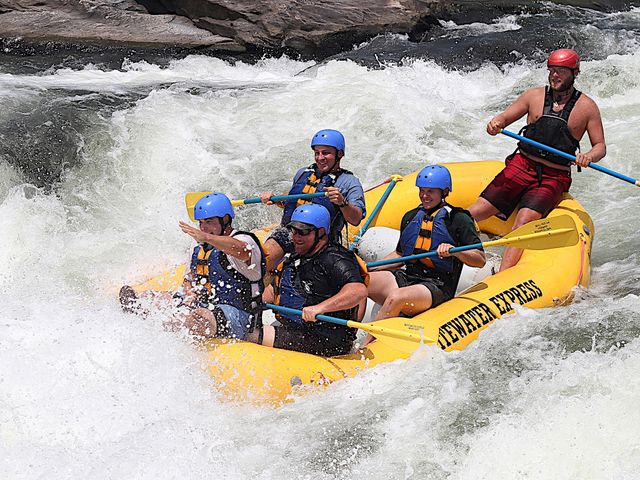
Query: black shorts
434	286
326	340
282	236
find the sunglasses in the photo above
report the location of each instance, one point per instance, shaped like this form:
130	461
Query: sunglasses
559	70
298	231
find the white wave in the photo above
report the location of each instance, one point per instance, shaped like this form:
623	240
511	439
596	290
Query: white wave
87	391
192	70
506	23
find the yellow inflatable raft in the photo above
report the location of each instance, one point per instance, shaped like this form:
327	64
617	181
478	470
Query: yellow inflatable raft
543	278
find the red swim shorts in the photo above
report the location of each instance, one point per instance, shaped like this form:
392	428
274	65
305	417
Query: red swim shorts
524	183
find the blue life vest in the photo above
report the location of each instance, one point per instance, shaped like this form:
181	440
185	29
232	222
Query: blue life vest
423	234
220	283
312	181
286	293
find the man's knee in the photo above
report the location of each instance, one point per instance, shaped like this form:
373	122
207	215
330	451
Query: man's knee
379	283
376	281
201	322
482	209
395	297
526	215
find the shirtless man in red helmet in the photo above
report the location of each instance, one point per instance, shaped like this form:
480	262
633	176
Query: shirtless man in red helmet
533	179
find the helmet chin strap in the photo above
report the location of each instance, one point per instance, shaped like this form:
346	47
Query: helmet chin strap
336	161
224	225
317	238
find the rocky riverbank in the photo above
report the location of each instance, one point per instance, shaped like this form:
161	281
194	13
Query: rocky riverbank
244	27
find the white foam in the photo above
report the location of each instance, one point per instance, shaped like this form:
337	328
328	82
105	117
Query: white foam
87	391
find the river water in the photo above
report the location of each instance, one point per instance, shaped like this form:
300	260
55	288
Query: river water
94	164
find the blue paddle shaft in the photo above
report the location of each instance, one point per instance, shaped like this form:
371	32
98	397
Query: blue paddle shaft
421	255
378	206
278	198
569	156
293	311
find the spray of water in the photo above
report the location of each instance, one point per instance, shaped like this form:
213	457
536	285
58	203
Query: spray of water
88	391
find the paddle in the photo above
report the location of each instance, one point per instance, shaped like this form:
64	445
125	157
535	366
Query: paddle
403	339
191	198
392	183
568	156
552	232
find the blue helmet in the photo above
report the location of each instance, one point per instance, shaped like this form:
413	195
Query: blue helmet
332	138
311	214
213	205
434	176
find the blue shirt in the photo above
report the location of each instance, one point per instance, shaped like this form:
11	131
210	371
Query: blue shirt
349	186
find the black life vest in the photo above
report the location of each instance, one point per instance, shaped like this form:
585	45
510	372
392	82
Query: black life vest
294	284
552	129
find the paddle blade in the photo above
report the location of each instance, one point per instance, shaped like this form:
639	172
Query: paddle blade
402	334
190	200
546	233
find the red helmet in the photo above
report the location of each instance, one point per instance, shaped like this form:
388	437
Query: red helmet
565	57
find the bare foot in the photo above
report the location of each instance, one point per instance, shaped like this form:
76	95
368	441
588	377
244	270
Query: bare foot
128	299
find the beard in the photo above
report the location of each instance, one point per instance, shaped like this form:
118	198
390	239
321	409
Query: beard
561	86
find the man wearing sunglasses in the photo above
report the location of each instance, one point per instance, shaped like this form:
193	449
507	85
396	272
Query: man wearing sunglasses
320	277
533	179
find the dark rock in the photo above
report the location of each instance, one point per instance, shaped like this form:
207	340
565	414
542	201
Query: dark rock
308	29
312	29
124	24
321	29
